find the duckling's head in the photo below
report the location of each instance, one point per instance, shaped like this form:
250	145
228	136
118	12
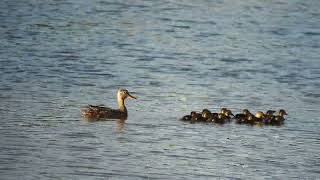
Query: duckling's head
270	112
259	114
246	112
228	113
193	113
206	113
282	112
223	110
222	116
123	94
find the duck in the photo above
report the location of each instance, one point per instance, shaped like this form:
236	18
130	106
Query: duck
259	116
207	115
269	113
226	112
279	118
221	118
102	112
250	119
268	116
188	117
243	116
196	117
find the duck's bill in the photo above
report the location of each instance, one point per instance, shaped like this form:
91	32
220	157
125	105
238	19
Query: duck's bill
131	97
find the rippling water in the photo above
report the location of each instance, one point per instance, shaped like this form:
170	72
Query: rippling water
175	56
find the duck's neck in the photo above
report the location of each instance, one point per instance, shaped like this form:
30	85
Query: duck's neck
121	105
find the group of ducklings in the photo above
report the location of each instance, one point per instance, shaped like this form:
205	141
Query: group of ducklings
225	115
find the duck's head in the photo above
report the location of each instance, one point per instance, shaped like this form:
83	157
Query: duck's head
206	113
228	113
246	112
223	110
193	114
221	116
282	112
270	112
123	94
259	114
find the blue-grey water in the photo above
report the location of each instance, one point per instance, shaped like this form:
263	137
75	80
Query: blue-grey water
175	56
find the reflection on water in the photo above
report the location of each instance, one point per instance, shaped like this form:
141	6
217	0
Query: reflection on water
176	56
119	123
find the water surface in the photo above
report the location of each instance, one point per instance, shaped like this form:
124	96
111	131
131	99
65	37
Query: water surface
175	56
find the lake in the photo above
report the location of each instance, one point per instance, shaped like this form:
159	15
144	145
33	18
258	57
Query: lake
175	57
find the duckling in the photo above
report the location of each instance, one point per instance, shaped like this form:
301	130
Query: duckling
278	119
241	117
268	116
206	115
259	117
220	118
226	112
269	113
188	117
196	117
102	112
222	110
250	119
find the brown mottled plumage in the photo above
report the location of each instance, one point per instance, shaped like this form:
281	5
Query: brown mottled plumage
102	112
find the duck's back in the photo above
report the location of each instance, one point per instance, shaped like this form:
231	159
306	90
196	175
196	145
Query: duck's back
101	112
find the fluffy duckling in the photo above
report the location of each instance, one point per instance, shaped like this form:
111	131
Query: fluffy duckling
207	115
226	112
268	116
188	117
196	117
269	113
250	119
102	112
278	119
242	117
221	118
259	117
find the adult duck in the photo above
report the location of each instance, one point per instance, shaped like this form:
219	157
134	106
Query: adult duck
102	112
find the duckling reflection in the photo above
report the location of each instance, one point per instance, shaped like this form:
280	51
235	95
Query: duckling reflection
102	112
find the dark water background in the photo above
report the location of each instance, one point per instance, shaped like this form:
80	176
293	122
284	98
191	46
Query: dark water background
175	56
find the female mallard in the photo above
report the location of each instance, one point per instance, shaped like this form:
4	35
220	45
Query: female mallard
102	112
